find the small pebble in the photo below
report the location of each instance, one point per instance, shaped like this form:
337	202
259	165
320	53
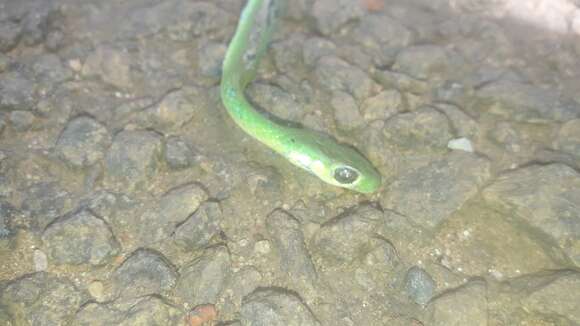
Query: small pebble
40	261
462	144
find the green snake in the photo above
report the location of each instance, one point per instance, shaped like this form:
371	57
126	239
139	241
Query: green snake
335	163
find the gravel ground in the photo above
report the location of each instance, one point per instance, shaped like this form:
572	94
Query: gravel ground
128	196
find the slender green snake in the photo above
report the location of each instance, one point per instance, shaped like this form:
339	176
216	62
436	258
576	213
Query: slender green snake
335	163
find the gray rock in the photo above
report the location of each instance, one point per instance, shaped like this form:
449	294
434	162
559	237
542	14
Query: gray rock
466	305
568	139
112	65
21	120
202	280
315	48
132	160
49	68
174	111
276	101
179	154
403	83
524	102
419	285
330	15
346	111
10	33
145	272
382	106
44	202
78	239
41	299
18	92
430	194
210	59
275	307
558	294
547	197
7	214
198	230
427	62
109	206
288	239
425	129
83	142
335	74
346	237
288	55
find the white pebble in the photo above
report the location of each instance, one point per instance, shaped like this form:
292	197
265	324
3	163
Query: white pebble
462	144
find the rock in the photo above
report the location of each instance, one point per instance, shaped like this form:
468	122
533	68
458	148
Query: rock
558	294
18	91
461	144
49	68
10	33
21	120
83	142
546	197
335	74
81	238
275	307
466	305
330	15
132	160
382	106
198	230
346	237
346	111
427	62
430	194
288	55
44	202
179	154
419	285
210	59
143	273
425	129
173	209
468	245
41	299
524	102
174	111
202	280
315	48
112	65
568	139
7	214
276	101
288	239
383	33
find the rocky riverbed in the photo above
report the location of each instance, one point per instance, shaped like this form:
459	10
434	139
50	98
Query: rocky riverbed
129	197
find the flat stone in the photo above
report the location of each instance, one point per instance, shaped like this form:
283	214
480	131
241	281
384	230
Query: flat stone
276	307
83	142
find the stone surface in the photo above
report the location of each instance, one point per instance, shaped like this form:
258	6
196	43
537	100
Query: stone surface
419	285
466	305
80	238
276	307
83	142
199	229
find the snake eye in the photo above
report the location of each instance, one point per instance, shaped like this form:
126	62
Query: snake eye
345	175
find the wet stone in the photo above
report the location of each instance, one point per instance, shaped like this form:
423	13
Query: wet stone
276	101
21	120
179	154
9	35
276	307
132	160
18	92
559	295
344	238
335	74
419	285
83	142
41	299
466	305
80	238
198	230
430	194
288	239
203	280
145	272
524	102
330	15
547	197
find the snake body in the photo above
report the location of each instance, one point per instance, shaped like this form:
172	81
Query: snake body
335	163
